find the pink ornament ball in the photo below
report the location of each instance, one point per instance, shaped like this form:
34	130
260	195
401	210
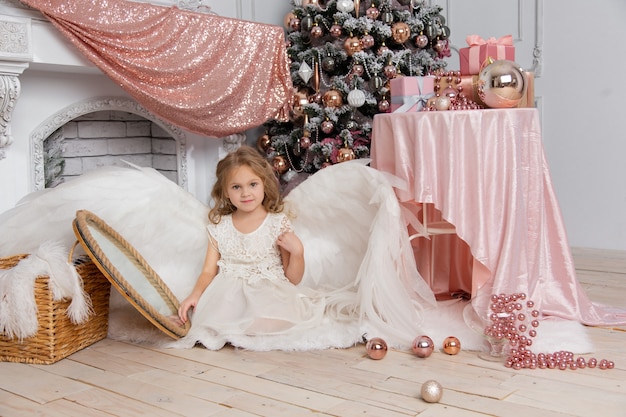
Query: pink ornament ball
376	348
384	106
423	346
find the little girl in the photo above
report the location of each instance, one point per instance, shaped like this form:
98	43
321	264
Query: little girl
254	261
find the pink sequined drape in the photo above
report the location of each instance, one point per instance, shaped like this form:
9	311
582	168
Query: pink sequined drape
208	74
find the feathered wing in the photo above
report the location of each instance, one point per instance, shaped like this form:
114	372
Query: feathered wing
154	214
357	250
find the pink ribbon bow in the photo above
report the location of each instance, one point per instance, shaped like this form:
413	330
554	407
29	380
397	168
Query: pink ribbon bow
474	40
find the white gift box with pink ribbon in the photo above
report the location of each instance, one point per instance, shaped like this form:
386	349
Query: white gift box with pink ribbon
476	55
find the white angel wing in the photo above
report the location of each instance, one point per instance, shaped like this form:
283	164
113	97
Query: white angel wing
350	223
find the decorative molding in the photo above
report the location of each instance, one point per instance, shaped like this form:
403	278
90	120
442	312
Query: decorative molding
520	21
194	6
13	3
15	39
60	118
538	48
240	10
233	142
9	93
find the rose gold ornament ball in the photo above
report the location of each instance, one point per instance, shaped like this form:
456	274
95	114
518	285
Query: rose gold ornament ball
451	345
287	19
263	143
280	164
336	31
327	126
384	106
372	13
423	346
376	348
353	45
332	98
345	154
317	32
299	99
400	32
305	142
421	41
431	391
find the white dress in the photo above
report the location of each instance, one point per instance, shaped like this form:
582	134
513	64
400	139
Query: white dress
251	296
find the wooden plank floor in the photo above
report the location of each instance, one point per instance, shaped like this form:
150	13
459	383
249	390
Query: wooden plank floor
113	378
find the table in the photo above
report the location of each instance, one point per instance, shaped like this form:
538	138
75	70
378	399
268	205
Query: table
486	172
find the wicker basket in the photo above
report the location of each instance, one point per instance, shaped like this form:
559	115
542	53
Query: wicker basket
57	337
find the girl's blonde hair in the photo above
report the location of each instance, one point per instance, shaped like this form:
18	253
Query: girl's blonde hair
250	157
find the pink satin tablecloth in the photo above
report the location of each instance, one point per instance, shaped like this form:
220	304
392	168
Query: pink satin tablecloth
485	170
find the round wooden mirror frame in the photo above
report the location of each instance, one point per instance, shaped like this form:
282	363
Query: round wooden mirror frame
85	224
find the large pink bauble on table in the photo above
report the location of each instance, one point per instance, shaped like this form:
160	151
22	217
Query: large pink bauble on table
502	84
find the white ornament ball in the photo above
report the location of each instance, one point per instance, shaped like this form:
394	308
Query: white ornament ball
442	103
346	6
356	98
431	391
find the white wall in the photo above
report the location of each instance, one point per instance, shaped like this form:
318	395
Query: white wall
584	109
581	94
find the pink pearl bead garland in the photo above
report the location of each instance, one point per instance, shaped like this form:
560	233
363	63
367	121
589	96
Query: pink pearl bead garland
509	322
456	97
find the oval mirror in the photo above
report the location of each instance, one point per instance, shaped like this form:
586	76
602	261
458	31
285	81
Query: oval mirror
129	273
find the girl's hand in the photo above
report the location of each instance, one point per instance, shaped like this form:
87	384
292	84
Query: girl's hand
290	242
292	252
187	304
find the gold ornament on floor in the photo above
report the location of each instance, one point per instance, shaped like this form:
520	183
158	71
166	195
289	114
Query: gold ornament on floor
431	391
280	165
400	32
332	98
345	154
263	143
376	348
451	345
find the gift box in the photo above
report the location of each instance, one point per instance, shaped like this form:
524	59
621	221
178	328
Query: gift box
529	98
477	54
410	94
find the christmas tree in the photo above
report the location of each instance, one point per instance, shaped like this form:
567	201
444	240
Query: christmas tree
343	54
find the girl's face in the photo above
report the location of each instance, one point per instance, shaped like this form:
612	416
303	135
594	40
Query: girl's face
245	189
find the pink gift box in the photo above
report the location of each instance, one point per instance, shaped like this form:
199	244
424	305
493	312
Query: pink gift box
474	57
410	94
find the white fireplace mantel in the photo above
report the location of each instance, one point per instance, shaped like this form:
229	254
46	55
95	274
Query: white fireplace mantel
43	77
